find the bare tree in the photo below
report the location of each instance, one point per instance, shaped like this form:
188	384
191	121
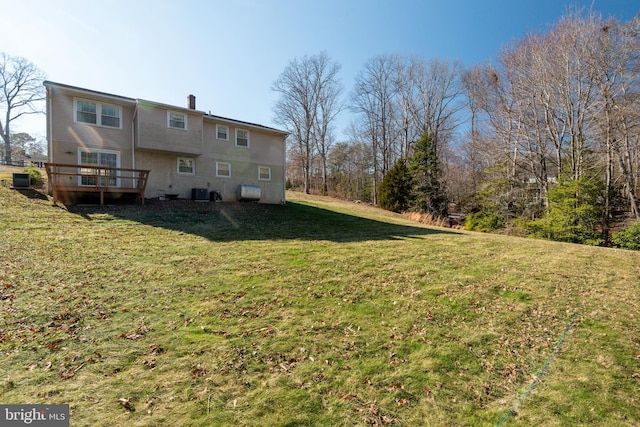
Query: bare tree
406	103
373	99
475	92
21	91
329	106
439	98
308	104
563	102
616	59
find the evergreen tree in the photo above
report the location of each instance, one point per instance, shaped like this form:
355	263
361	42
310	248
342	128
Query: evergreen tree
574	213
395	190
426	171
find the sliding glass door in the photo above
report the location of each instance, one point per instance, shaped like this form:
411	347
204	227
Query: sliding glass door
93	176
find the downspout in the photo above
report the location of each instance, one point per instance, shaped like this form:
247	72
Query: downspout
284	169
133	136
49	127
133	145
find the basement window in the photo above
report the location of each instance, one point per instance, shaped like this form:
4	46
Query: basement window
186	166
223	169
264	173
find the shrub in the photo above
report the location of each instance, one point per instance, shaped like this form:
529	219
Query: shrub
574	214
395	188
483	221
629	238
35	176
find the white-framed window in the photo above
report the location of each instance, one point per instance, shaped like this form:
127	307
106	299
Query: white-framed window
186	166
110	116
86	112
176	120
92	163
96	113
223	169
222	132
242	138
264	173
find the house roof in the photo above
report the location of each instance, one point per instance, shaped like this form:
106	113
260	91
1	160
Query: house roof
50	84
169	107
243	123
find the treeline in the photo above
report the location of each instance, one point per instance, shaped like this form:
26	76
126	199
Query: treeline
542	141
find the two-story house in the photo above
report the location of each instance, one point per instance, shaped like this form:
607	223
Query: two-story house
100	140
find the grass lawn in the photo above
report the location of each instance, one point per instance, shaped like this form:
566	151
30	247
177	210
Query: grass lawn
319	313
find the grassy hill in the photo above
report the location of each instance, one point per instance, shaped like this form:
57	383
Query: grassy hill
319	312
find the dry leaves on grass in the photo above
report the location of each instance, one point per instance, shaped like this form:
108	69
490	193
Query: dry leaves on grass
140	330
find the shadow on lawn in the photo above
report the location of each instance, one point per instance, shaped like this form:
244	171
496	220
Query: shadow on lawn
253	221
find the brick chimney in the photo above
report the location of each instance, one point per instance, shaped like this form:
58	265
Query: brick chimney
191	102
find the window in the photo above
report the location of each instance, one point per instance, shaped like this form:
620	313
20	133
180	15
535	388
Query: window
95	113
176	120
264	173
91	175
222	132
86	112
186	166
110	116
223	169
242	138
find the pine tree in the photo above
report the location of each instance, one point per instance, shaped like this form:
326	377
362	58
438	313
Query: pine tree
395	190
426	171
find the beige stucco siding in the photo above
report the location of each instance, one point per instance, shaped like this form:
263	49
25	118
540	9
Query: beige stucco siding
154	133
164	177
70	137
265	149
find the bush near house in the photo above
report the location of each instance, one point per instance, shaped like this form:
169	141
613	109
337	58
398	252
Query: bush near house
35	177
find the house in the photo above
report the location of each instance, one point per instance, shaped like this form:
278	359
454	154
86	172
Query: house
114	144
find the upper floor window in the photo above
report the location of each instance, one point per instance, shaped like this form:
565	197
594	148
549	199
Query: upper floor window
110	116
222	132
86	112
242	138
95	113
176	120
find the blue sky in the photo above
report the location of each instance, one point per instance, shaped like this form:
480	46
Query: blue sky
228	53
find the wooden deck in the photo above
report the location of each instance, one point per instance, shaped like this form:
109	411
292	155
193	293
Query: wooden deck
68	179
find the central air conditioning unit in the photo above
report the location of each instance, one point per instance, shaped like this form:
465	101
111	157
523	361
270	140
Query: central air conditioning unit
200	194
249	193
21	181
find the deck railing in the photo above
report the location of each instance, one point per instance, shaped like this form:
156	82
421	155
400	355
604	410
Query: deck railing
70	178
